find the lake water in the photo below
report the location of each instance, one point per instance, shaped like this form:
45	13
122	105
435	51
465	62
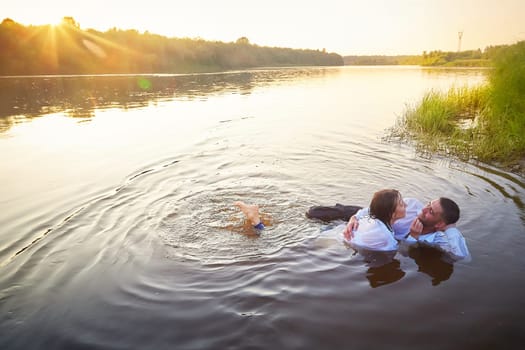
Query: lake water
118	230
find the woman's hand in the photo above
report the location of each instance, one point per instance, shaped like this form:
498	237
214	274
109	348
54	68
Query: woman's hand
352	225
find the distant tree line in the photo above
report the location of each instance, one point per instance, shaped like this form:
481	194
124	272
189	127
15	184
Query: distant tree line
467	58
380	60
67	49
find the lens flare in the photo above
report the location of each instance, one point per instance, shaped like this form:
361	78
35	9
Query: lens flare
94	48
144	84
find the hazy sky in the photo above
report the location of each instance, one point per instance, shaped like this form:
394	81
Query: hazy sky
347	27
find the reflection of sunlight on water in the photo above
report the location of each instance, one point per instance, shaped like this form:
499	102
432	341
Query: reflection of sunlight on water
52	131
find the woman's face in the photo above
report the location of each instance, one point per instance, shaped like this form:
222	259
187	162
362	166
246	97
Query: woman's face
401	209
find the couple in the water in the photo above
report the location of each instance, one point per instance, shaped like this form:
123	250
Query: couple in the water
388	220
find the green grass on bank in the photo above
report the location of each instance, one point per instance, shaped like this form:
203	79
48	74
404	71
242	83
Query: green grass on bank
484	122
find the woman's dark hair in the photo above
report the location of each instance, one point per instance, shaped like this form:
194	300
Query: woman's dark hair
383	205
450	213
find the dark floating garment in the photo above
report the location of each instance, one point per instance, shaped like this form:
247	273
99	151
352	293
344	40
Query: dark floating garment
334	212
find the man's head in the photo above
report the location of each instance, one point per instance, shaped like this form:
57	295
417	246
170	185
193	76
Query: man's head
439	213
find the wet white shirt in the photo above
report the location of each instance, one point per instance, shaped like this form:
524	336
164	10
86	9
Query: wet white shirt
373	234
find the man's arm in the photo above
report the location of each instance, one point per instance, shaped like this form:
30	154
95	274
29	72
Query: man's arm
449	241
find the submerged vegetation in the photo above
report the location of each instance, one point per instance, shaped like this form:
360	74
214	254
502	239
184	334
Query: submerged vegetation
485	122
67	49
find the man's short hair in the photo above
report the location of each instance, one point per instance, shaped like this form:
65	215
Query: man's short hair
450	213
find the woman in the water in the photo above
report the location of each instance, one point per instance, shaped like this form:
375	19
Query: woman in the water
375	231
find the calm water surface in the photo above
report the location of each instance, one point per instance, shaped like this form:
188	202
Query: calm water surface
118	230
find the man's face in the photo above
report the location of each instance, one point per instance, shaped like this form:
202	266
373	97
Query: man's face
431	215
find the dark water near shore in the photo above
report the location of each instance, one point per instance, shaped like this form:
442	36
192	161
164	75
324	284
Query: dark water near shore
118	230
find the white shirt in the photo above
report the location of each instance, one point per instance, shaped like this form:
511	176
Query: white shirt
373	234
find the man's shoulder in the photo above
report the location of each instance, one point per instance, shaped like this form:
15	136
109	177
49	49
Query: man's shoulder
458	244
453	231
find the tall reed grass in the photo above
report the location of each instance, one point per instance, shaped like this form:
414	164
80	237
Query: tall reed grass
485	122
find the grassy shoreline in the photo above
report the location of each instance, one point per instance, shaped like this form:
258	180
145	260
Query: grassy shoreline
484	123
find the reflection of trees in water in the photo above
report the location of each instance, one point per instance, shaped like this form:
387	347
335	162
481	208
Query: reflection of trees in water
433	262
388	273
384	269
80	96
479	72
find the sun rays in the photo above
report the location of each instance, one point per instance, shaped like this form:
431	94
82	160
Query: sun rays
55	46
